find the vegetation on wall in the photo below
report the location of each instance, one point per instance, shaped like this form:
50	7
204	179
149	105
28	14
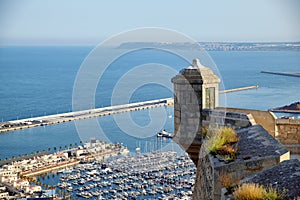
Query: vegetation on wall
252	191
222	143
229	181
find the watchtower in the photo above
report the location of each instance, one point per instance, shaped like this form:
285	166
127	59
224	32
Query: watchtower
195	88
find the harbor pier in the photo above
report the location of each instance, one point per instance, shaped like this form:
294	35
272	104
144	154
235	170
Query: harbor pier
96	112
84	114
294	74
239	89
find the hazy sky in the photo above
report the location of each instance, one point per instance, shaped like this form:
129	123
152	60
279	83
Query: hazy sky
91	21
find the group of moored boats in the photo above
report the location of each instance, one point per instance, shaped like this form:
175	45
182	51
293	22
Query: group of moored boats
157	175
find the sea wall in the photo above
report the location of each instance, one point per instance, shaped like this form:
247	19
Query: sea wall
288	134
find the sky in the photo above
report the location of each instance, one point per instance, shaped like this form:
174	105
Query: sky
92	21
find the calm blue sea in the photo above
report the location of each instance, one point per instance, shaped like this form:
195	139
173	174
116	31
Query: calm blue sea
39	81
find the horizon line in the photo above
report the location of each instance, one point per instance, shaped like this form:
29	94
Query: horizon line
95	44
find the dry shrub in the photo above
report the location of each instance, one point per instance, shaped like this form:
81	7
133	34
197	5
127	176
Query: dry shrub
229	135
228	181
219	142
252	191
226	149
249	191
225	180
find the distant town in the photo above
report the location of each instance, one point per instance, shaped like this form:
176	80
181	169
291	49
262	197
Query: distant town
219	46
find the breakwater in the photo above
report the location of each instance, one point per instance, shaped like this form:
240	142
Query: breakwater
239	89
294	74
84	114
91	113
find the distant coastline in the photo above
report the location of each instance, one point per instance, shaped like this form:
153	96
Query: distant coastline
218	46
208	46
292	108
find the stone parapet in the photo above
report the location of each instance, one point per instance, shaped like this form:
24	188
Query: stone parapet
257	150
284	177
218	118
264	118
288	133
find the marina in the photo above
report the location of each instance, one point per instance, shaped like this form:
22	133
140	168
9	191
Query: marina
22	174
156	175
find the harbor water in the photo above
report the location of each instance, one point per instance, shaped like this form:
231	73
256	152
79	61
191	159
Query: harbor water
38	81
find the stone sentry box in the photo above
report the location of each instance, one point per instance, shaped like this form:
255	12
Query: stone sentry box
195	88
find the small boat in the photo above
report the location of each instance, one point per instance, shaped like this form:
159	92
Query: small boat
165	134
65	171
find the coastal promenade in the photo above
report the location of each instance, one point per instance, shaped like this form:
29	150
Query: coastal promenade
46	169
68	163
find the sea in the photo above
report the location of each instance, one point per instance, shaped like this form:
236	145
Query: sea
39	80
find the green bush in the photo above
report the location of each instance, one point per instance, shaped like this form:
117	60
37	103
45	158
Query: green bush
219	142
215	143
229	135
272	194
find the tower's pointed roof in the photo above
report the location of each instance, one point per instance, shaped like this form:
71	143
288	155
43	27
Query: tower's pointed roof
196	73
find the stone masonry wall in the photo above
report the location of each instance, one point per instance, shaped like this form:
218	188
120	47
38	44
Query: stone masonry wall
217	118
288	134
204	186
264	118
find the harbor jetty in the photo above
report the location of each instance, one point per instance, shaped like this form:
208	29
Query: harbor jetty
294	74
96	112
84	114
239	89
